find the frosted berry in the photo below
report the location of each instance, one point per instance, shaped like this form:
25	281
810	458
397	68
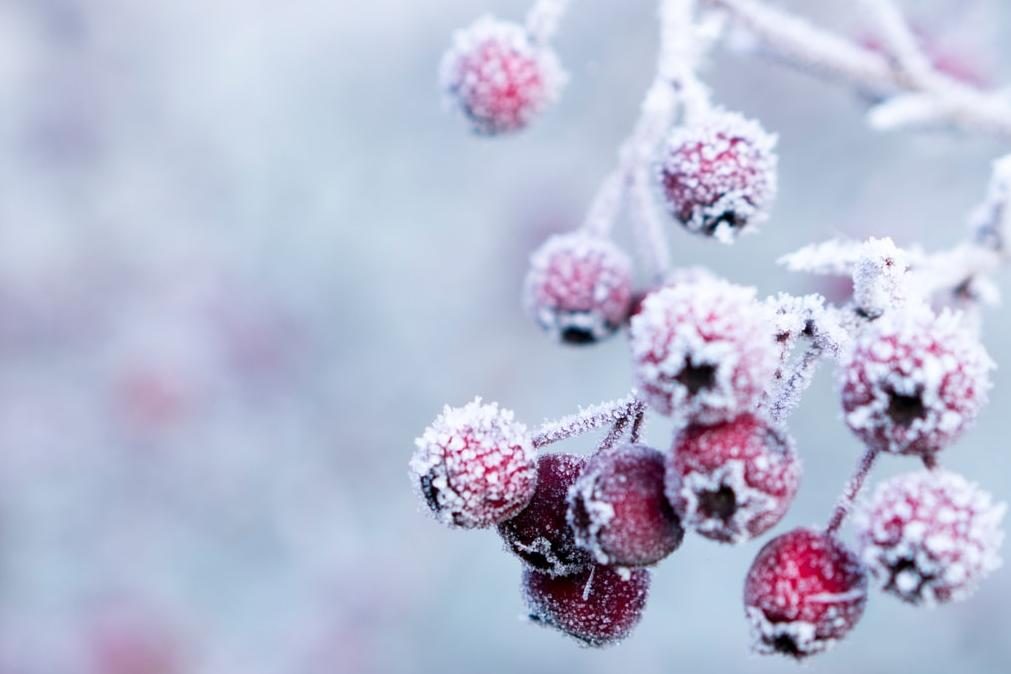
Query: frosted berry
930	536
702	350
804	591
719	176
618	510
474	466
578	287
734	480
497	77
540	534
599	606
911	383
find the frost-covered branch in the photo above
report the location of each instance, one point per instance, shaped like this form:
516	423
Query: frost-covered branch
614	412
682	43
915	92
543	19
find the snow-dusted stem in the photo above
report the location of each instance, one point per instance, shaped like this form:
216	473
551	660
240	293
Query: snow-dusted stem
543	19
789	393
923	97
852	490
616	412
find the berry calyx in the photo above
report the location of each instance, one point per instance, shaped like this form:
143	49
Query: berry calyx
618	510
719	176
540	534
474	466
930	537
912	382
598	606
734	480
804	592
498	78
702	350
579	287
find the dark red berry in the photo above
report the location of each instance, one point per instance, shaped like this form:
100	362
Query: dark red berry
734	480
804	592
618	510
540	534
719	176
599	606
578	287
703	350
474	466
912	383
930	537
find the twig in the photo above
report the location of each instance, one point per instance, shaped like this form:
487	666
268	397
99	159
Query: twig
852	490
543	19
924	95
587	420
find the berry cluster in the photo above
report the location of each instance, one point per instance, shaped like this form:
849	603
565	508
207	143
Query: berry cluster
727	368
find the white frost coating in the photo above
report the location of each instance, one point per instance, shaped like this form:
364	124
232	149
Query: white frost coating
912	381
587	419
543	18
497	77
930	537
751	504
765	633
598	514
578	287
718	175
702	350
990	222
880	276
475	465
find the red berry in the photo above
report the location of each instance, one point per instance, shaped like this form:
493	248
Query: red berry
930	537
618	510
497	77
579	287
703	350
474	466
599	606
912	383
804	591
540	534
719	176
734	480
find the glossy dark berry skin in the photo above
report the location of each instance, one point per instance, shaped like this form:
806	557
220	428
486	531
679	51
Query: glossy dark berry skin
804	591
618	509
598	606
540	534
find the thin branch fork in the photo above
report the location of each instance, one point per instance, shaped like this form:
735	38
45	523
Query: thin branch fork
917	92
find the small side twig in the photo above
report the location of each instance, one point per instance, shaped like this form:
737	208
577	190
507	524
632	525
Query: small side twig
852	490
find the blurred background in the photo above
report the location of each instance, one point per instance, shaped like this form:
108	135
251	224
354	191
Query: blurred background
246	256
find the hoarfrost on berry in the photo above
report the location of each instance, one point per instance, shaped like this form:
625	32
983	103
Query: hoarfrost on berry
703	350
540	534
734	480
618	510
498	78
598	606
804	592
718	177
930	536
913	381
579	287
474	466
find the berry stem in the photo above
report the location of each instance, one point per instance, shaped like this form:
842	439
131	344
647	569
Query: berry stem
617	412
852	490
930	461
789	393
